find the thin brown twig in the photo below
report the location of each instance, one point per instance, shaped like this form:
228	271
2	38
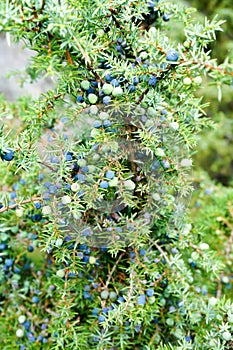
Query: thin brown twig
113	269
48	166
26	201
162	252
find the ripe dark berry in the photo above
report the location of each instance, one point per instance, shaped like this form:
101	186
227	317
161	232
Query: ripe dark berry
8	155
135	80
2	246
118	48
107	123
106	100
108	77
172	55
90	91
121	299
142	252
115	82
36	217
37	205
101	318
150	292
84	169
152	81
142	299
80	177
52	189
95	311
69	156
9	262
94	83
35	299
151	4
80	99
165	17
110	174
132	88
97	124
104	184
30	248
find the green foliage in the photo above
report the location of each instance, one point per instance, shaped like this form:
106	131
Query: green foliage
215	146
112	262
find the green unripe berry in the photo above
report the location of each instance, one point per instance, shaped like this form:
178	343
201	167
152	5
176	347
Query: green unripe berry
170	321
103	115
129	185
82	162
225	279
100	32
92	169
19	333
204	246
61	273
157	338
112	295
197	80
75	187
186	44
178	333
195	256
66	199
106	148
46	210
162	302
94	110
95	132
186	162
85	85
92	260
113	182
117	91
143	55
114	146
226	336
213	301
156	196
59	242
187	81
159	152
174	126
77	216
151	300
107	89
144	104
96	157
92	98
104	294
22	319
152	31
151	112
19	212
